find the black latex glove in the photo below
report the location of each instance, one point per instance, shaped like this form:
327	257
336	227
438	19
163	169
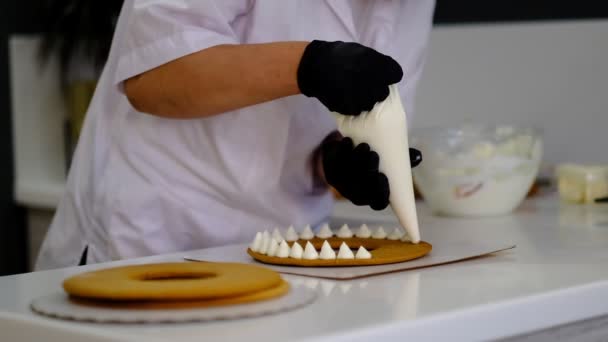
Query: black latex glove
353	171
347	78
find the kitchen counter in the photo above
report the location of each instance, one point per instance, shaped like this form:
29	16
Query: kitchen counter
557	273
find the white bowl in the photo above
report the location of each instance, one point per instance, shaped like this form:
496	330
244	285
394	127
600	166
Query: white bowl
475	169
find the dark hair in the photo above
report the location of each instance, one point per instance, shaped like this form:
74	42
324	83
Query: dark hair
78	29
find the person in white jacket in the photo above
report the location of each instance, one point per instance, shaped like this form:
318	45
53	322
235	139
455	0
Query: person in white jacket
199	135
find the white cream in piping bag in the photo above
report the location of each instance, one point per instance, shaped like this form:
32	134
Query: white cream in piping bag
384	128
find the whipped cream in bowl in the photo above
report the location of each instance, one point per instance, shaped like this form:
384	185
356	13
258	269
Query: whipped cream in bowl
476	169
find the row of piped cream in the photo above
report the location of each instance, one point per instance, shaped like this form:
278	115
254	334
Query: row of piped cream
344	232
265	244
276	244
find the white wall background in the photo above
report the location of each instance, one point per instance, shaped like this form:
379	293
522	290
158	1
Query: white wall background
553	75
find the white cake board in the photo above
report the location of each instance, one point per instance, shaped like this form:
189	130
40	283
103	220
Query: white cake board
57	305
443	252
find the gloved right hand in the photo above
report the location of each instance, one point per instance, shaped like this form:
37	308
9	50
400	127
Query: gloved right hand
353	171
347	78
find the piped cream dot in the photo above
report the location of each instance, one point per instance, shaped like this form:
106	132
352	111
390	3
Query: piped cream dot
362	253
344	252
327	253
344	232
265	242
296	251
363	232
276	234
272	247
307	233
284	250
291	235
310	253
325	232
395	234
379	234
256	244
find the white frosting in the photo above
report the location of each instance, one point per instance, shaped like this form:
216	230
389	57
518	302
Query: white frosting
310	253
379	234
363	232
362	253
284	250
256	244
344	232
276	234
480	178
265	242
273	247
406	238
484	198
327	253
296	251
291	234
307	233
395	234
325	232
384	128
345	252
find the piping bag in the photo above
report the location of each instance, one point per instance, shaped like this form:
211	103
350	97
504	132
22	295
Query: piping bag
384	128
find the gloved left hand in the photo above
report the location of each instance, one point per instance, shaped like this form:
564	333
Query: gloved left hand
353	171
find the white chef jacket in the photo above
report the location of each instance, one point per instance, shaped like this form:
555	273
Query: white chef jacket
141	185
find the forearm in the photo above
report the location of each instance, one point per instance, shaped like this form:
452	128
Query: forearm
217	80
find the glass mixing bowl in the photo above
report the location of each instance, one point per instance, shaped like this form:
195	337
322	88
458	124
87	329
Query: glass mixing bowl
476	169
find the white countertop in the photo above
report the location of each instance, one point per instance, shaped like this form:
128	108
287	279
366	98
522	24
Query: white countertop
555	274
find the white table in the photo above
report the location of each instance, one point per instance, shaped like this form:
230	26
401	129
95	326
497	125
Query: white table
557	273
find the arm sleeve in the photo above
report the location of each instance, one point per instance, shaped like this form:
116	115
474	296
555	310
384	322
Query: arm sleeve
156	32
